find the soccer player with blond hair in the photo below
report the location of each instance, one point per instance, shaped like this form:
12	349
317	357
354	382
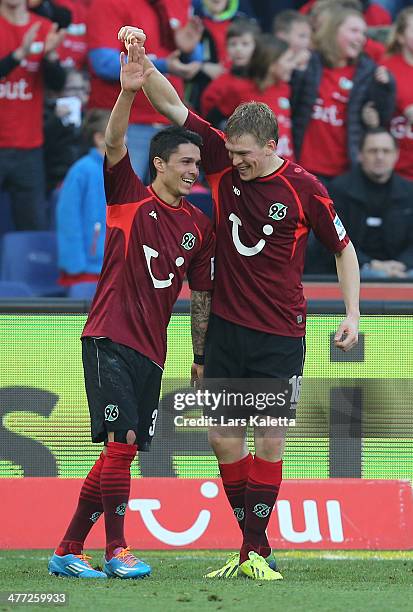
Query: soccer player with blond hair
265	207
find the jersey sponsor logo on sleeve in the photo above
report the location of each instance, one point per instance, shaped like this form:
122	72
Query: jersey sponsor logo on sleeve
188	241
340	229
277	211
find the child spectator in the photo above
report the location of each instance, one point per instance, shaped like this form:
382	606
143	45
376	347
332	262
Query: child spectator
330	94
295	29
216	106
27	60
269	73
216	16
399	61
81	211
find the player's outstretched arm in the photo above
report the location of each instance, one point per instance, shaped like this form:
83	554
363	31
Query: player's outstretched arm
349	278
159	91
132	77
200	308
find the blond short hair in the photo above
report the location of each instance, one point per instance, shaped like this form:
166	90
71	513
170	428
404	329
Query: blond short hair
255	118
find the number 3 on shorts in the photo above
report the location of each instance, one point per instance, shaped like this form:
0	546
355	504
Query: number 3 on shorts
154	417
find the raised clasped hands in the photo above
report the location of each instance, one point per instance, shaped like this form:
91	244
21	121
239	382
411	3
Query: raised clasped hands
131	35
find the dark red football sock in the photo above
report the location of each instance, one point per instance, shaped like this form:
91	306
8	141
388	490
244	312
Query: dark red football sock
88	511
260	495
234	479
115	489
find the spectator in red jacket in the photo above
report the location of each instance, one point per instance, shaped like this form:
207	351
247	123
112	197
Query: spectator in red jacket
216	104
295	29
164	21
399	61
27	61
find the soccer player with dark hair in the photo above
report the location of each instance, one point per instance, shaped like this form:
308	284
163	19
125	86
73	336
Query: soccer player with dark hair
154	238
265	207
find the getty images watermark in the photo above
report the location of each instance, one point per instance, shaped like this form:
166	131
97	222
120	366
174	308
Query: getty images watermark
239	403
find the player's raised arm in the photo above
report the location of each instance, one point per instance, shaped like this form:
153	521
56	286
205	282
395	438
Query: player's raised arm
132	76
349	278
159	91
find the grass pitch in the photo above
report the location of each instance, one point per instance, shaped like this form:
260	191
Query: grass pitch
313	581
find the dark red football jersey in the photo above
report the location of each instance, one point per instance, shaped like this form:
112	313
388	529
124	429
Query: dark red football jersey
262	228
150	247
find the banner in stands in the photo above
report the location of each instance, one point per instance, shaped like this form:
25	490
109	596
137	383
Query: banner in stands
310	514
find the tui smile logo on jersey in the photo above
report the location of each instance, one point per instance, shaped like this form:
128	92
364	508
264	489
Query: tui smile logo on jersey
188	241
277	211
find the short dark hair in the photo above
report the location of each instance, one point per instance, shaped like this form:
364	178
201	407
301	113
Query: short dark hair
167	141
241	26
373	132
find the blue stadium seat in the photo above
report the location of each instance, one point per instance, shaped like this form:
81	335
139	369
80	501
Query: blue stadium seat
203	201
11	289
31	258
82	291
6	219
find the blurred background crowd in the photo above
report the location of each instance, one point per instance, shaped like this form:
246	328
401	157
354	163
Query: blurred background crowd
338	75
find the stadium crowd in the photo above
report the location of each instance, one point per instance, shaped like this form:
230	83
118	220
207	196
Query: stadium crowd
336	73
